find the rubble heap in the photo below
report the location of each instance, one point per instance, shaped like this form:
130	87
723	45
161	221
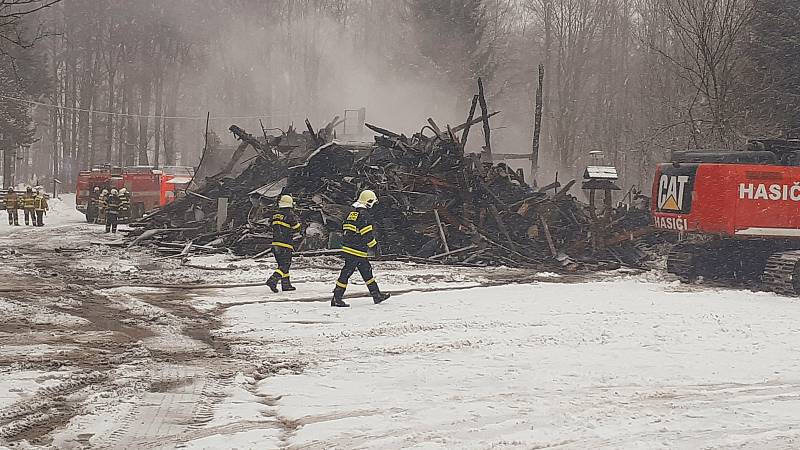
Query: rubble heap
437	204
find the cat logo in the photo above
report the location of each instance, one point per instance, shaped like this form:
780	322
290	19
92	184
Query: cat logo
671	193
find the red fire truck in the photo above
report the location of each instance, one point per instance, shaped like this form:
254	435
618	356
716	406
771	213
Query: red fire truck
149	188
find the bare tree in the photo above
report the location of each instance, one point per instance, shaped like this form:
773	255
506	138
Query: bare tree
12	13
704	35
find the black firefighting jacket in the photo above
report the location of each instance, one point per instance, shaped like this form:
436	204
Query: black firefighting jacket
125	202
358	233
284	226
113	203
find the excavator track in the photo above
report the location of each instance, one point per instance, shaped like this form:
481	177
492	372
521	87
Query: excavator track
682	261
782	273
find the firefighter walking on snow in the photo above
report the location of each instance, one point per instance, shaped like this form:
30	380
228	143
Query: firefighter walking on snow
112	211
40	207
284	227
124	205
28	200
358	238
102	206
12	205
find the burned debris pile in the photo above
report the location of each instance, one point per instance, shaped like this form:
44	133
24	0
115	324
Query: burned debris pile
221	209
437	204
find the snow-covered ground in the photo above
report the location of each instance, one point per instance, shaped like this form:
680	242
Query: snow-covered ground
453	361
617	364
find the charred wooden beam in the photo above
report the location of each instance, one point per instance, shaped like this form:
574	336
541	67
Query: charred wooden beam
487	132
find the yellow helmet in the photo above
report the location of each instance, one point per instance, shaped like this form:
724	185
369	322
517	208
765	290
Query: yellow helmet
286	201
367	198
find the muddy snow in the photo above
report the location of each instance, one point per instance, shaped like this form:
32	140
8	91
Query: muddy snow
103	347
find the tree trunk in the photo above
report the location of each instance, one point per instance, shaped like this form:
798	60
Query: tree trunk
112	73
96	123
159	81
83	121
144	110
129	154
64	125
120	125
54	124
73	122
169	124
548	67
54	131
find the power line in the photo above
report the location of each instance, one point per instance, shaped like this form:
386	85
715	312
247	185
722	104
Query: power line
109	113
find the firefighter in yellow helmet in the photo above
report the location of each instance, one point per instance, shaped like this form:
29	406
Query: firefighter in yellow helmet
112	211
41	208
102	207
28	206
284	228
358	238
124	205
12	205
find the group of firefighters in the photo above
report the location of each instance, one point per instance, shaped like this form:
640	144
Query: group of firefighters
109	207
32	203
358	239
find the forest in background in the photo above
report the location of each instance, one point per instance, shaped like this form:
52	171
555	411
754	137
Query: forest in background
635	79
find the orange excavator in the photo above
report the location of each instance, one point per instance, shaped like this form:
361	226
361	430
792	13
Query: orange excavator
738	213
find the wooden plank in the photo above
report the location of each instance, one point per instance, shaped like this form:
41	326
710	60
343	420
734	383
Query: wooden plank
453	252
188	192
468	124
511	156
474	121
549	238
382	131
186	249
435	128
222	212
563	192
554	185
501	225
537	126
441	231
452	135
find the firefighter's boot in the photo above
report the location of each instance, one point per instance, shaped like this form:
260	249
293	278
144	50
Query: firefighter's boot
286	285
337	301
272	282
377	295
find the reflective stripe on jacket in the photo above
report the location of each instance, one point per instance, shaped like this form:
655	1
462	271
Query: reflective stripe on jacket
40	203
12	201
28	201
284	226
359	234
